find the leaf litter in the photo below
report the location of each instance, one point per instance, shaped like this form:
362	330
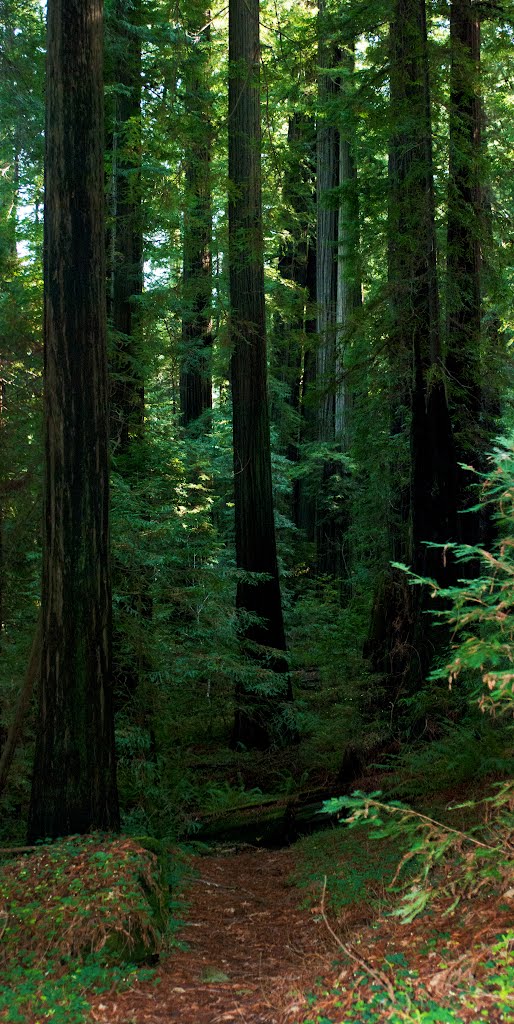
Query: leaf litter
254	956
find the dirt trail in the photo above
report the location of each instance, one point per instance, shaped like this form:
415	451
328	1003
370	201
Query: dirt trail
250	950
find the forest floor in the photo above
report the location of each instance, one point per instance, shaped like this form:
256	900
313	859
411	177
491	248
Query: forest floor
254	954
250	949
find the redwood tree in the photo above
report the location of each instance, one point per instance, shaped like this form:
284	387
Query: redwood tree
74	782
125	236
402	641
195	370
294	352
463	267
328	534
258	600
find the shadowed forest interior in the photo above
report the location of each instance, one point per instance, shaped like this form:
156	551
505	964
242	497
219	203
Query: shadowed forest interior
256	480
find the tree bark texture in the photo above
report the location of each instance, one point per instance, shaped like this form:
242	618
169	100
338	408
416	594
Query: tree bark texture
195	370
402	641
413	279
255	530
126	229
327	231
349	286
74	782
463	271
295	337
349	294
328	538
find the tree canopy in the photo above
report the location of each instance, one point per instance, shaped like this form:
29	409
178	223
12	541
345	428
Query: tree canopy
302	222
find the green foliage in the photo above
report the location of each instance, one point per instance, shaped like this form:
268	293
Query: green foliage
176	634
462	754
441	868
479	608
482	855
357	870
77	917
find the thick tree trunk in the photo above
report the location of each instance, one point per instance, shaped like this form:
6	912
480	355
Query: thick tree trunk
74	782
258	601
195	370
402	639
465	226
125	243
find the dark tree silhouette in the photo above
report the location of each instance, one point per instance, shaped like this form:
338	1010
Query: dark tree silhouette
259	601
402	641
463	264
74	782
195	370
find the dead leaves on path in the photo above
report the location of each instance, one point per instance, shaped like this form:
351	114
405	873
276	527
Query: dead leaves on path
245	926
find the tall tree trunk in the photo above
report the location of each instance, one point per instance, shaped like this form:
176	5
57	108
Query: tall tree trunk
433	465
465	226
402	639
74	781
260	600
327	533
125	242
10	147
349	287
195	370
294	339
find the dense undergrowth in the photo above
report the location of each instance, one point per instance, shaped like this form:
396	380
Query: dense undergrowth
422	903
419	912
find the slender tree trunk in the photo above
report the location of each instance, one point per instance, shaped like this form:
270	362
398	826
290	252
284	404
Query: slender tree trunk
305	499
294	337
124	288
465	226
258	601
195	371
328	540
433	465
349	286
349	290
74	782
125	242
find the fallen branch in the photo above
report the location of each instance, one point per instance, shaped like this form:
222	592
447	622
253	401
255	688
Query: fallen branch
377	975
407	812
291	800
